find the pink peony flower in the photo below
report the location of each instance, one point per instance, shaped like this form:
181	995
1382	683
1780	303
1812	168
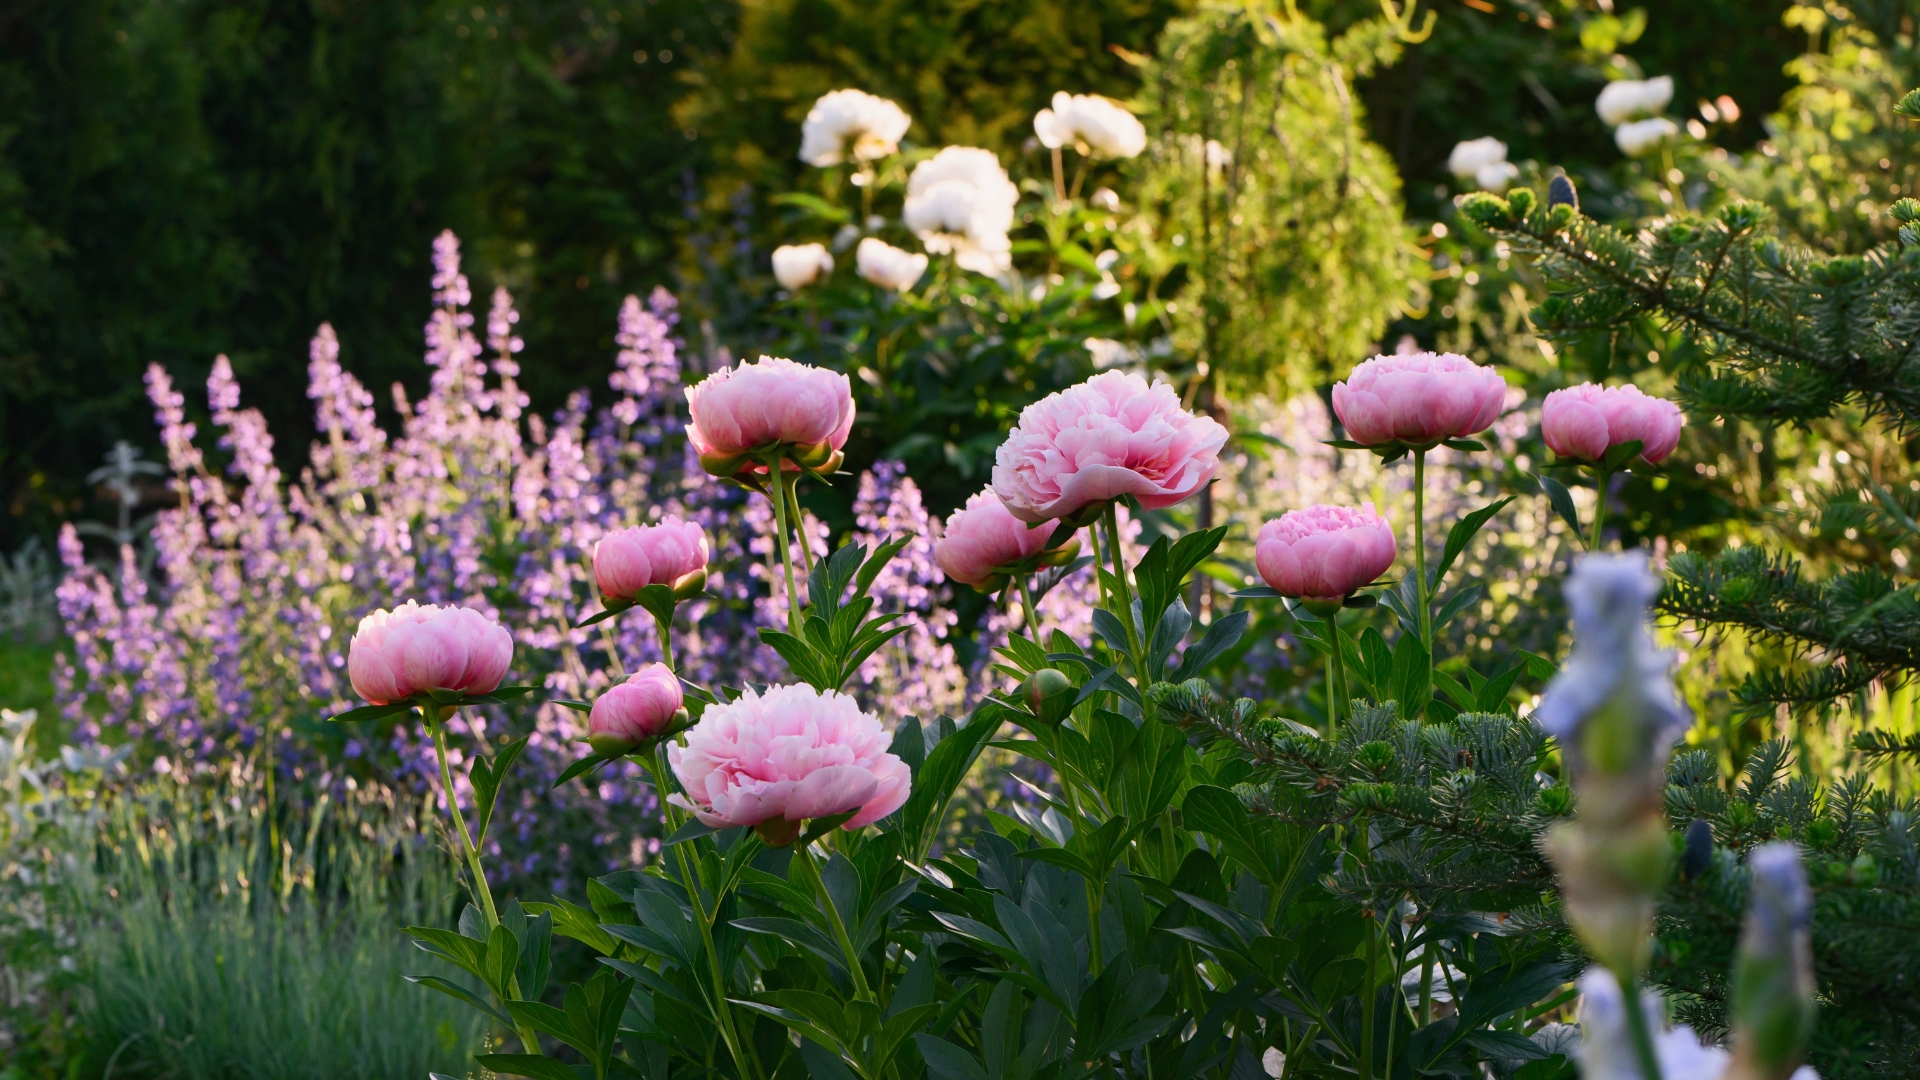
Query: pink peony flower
1107	437
644	707
776	759
673	553
771	403
1323	552
396	654
983	536
1418	398
1584	422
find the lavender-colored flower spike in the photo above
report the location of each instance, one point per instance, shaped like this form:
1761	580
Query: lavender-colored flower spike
1773	1006
1614	660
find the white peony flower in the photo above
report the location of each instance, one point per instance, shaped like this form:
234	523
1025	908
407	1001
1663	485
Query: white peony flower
1469	157
1626	99
887	266
961	201
1095	125
800	265
1639	136
1496	176
872	124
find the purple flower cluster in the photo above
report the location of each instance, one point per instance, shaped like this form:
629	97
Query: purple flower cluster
241	631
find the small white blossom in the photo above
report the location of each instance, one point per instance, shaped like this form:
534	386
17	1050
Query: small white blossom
961	201
1627	99
1092	124
887	266
800	265
873	125
1469	157
1496	176
1640	136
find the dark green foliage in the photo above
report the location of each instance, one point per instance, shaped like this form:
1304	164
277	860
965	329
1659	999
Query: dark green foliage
1778	335
1865	625
1864	865
194	177
1455	807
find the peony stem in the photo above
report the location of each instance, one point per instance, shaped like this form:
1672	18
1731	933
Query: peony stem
1124	592
1424	588
786	549
1369	1003
437	725
722	1011
666	644
800	526
1026	606
1336	676
1604	480
1059	177
861	991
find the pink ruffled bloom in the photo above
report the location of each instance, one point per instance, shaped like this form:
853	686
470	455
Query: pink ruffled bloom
787	756
1323	552
1418	398
983	535
643	707
1107	437
773	400
396	654
670	553
1584	422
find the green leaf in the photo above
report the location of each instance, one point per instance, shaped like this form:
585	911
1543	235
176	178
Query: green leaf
614	607
1561	500
503	959
694	829
1459	537
454	990
576	706
1223	634
531	1065
1456	604
1619	455
940	777
1256	592
658	600
486	779
812	204
585	764
945	1061
1411	671
370	712
1467	445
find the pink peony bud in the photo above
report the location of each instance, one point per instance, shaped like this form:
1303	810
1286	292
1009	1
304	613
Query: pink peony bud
396	654
1323	552
1584	422
643	707
1418	398
674	552
776	759
1107	437
772	402
983	536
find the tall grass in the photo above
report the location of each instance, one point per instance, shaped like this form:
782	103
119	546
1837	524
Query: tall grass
228	945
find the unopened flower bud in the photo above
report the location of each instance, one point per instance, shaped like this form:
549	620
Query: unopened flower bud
1045	684
1772	1004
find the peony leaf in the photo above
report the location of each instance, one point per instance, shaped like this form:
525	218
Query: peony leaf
370	712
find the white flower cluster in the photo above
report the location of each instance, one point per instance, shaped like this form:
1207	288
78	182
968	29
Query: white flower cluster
961	201
1483	161
1632	108
851	119
1094	125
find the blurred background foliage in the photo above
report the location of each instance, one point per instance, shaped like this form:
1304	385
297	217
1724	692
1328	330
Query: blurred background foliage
188	177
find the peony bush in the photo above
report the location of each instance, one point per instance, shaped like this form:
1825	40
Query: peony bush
630	616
